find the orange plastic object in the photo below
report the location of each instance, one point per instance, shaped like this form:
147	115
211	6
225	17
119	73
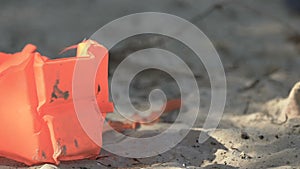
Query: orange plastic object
120	126
38	121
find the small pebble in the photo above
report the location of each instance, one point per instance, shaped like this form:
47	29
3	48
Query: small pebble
48	166
245	136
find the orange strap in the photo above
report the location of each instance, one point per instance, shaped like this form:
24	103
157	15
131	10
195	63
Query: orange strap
122	126
68	48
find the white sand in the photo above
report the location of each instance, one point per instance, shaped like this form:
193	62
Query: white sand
260	63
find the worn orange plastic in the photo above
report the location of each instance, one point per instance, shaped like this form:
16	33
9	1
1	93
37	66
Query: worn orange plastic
38	123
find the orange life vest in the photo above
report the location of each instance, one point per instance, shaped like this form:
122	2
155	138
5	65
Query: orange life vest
38	121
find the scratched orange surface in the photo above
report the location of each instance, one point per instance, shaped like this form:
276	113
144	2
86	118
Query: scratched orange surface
38	121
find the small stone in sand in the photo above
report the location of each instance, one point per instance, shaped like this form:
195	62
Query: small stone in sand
245	136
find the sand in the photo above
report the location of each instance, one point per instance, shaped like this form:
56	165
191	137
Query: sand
257	44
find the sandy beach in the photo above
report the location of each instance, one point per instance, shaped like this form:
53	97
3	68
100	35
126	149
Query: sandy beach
258	43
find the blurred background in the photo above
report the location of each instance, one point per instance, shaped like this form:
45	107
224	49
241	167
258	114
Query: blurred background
261	35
